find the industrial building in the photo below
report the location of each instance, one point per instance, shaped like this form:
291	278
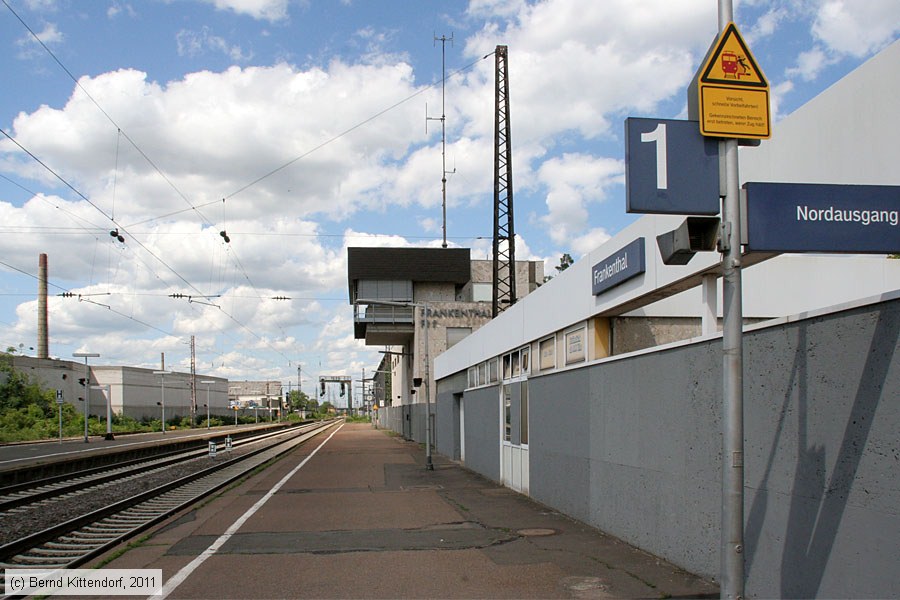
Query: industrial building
131	391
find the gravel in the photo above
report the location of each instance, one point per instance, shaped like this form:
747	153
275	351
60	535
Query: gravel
32	518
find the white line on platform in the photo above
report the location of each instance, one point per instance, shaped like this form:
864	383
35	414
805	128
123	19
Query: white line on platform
189	568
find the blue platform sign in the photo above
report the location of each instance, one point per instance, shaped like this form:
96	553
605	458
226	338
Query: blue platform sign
619	267
670	168
812	217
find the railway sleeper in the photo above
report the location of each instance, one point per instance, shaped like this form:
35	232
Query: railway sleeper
107	530
83	535
60	545
43	561
59	552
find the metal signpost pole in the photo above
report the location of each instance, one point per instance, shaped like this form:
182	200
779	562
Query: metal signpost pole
208	383
732	540
162	384
428	464
87	386
109	433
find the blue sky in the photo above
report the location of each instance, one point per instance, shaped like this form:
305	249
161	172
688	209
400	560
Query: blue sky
299	127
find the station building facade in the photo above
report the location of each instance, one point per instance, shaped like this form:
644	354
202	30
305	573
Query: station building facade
390	289
607	406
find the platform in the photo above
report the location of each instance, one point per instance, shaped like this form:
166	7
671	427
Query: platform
363	518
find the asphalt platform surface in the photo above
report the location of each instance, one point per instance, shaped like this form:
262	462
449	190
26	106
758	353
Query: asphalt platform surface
363	518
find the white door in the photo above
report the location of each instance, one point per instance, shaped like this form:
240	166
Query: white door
514	435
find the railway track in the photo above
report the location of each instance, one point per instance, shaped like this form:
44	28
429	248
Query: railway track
23	497
78	540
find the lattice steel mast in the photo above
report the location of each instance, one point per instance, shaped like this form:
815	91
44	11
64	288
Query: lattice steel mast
504	288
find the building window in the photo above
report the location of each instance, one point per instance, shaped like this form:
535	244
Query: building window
482	374
482	292
473	382
493	370
385	289
507	411
523	413
456	334
516	363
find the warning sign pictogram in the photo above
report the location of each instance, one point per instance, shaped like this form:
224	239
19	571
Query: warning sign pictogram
731	63
733	92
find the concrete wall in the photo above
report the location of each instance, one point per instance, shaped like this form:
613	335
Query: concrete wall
482	431
446	419
632	446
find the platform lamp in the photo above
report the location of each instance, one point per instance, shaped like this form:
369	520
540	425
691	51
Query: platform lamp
87	386
208	383
162	385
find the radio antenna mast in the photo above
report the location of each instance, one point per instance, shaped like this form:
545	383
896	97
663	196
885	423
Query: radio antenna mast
443	119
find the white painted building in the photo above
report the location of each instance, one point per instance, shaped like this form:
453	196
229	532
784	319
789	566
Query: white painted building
846	135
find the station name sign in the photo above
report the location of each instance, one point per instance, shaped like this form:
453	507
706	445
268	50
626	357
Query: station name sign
811	217
619	267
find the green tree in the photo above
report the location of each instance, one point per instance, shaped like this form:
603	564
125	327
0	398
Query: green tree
18	390
565	261
300	401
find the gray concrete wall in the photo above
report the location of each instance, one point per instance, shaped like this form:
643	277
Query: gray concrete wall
633	447
446	421
482	431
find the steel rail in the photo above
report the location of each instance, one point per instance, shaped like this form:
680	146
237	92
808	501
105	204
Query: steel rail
82	538
59	486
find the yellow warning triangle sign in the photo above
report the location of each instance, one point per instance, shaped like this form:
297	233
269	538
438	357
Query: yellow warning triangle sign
731	63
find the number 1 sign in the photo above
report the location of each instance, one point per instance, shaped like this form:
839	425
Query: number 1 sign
670	168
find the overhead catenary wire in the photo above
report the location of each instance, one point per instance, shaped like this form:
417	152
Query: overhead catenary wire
355	127
87	299
122	134
146	249
120	131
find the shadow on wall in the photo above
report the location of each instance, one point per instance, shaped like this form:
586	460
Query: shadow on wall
818	503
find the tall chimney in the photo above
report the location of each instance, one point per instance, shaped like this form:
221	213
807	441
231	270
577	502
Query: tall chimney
43	350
